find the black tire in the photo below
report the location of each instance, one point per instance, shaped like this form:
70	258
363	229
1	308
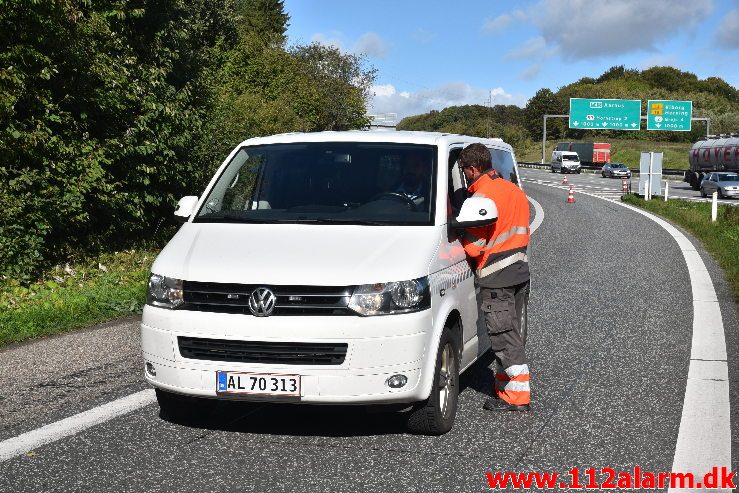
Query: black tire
578	171
181	408
696	181
703	193
603	174
435	415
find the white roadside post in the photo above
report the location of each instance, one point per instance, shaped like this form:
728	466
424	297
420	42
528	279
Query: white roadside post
667	188
714	206
649	175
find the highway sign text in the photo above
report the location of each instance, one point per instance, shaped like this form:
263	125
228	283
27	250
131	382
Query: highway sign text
605	114
669	115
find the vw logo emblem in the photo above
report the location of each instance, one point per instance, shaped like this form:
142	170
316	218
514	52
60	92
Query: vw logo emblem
262	302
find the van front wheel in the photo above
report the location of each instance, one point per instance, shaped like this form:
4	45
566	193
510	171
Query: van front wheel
435	415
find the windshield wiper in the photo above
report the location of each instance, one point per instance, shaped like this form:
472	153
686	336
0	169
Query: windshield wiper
228	216
330	220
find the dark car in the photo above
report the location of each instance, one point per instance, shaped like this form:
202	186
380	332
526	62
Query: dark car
618	170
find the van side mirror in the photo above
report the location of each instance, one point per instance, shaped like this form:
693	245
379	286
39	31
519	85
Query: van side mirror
185	208
476	212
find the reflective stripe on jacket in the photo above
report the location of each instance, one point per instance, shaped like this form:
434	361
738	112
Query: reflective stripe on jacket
499	250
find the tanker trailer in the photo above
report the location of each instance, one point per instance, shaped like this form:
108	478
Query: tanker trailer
715	153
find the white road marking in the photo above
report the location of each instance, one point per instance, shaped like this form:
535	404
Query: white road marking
26	442
539	215
704	437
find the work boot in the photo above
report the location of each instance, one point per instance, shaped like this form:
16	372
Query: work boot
497	404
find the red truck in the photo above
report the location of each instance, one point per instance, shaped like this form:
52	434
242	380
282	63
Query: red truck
589	152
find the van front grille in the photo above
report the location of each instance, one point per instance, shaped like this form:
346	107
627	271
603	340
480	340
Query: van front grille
296	353
290	300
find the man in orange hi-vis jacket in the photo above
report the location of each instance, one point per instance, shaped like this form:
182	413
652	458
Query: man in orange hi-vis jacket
499	256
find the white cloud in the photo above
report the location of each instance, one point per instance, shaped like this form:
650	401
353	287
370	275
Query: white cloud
371	44
588	29
503	21
423	36
497	24
333	39
659	61
387	99
383	90
534	47
727	34
531	72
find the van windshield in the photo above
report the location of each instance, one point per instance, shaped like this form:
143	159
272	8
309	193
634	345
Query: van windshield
326	183
570	157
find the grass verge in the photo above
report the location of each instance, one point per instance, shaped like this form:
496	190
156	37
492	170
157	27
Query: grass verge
75	296
674	154
720	239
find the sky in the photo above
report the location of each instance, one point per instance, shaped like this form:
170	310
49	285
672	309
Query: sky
430	54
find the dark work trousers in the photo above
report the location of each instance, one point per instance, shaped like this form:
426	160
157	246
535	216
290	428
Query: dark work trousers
502	308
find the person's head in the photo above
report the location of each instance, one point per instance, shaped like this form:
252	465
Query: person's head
414	170
474	160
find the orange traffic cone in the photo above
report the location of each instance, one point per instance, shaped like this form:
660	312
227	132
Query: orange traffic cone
571	196
564	180
624	188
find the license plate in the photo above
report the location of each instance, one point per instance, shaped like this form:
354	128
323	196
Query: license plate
230	382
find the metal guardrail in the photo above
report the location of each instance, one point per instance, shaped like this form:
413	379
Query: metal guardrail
678	173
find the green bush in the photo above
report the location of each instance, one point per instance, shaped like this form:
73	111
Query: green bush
112	110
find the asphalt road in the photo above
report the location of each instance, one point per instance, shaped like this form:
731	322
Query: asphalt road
612	187
609	346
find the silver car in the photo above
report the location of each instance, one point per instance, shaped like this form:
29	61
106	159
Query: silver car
618	170
723	182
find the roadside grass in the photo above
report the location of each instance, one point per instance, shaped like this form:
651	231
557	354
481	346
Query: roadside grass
75	295
675	154
720	239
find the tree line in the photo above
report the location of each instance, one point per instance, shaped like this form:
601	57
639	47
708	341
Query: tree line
522	127
110	110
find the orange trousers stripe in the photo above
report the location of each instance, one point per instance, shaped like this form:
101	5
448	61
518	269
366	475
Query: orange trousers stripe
515	397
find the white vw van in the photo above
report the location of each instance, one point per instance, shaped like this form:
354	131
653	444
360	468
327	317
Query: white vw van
323	268
565	162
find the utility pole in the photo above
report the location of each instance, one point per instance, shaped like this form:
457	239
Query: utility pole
490	113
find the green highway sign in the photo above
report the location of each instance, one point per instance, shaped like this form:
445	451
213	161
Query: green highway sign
605	114
669	115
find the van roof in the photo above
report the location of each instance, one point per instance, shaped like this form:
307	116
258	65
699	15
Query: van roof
399	137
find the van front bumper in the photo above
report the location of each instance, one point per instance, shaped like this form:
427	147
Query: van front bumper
377	348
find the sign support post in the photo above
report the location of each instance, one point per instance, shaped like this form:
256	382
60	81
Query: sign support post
544	135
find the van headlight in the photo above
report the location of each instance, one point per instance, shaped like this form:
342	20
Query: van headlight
164	292
387	298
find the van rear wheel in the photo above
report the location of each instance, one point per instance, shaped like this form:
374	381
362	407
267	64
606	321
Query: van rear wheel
435	415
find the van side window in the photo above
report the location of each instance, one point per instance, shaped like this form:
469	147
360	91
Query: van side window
504	165
457	183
